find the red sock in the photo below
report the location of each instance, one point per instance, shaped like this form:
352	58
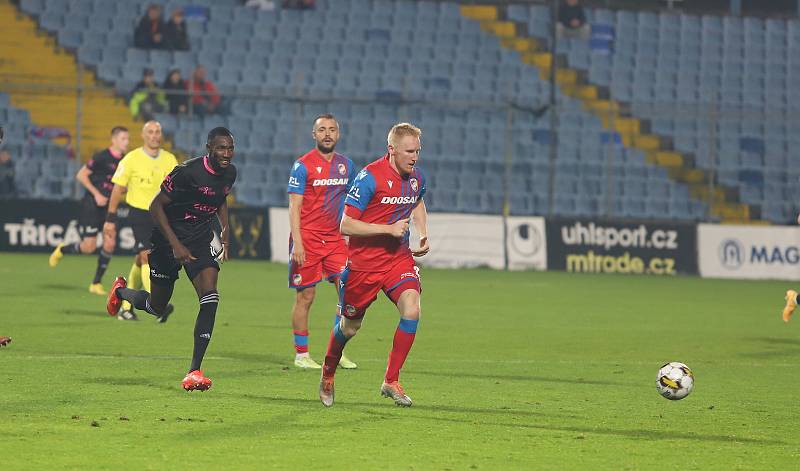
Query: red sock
335	347
400	348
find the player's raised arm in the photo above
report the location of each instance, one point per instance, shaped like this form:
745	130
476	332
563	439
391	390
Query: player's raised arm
356	228
83	178
222	213
420	217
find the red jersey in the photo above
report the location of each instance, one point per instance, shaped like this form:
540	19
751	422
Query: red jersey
324	186
381	196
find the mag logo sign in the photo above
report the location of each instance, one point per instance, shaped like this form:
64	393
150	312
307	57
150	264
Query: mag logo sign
749	252
610	246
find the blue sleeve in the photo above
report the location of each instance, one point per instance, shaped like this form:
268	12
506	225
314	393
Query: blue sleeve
297	179
351	175
362	190
423	184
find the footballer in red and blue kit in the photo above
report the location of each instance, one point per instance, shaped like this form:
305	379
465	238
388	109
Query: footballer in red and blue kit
324	186
380	196
386	195
318	185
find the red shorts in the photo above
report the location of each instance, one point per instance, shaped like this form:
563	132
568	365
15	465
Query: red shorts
323	259
360	288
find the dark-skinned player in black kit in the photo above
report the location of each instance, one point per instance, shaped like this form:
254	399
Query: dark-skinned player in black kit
190	197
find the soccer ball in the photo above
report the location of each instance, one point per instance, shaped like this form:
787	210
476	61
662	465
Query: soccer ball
674	381
216	245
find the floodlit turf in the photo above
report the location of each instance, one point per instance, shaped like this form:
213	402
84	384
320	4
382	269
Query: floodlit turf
509	370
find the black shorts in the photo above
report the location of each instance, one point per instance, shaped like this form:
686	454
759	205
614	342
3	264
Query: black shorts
142	225
164	268
92	217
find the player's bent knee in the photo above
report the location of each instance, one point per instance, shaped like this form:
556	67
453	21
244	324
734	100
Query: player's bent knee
306	296
89	245
350	327
109	245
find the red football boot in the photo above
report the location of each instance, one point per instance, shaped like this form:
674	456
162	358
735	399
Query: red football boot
196	381
5	341
114	301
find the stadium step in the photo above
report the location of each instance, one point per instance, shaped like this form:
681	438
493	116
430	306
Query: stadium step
614	115
43	78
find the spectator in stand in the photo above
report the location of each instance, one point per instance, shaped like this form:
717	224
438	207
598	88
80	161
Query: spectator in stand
299	4
147	98
175	89
572	20
7	185
175	36
205	97
150	32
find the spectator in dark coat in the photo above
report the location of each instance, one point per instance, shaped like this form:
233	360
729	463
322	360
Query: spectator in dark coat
178	102
175	35
150	32
7	173
299	4
572	20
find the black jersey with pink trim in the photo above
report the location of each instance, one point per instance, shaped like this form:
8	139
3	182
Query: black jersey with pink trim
196	191
103	165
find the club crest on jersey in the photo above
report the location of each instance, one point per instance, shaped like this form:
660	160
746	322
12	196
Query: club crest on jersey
297	279
319	169
414	184
389	182
342	169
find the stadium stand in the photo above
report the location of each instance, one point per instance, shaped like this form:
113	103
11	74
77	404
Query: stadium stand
714	86
456	80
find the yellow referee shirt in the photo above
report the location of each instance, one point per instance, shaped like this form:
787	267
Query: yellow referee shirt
142	175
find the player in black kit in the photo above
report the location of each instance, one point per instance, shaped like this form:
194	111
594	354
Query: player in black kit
95	176
191	196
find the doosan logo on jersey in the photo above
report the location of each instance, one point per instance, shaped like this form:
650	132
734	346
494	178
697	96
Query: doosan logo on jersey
330	182
399	199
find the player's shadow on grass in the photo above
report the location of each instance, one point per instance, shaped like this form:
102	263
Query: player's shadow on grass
84	312
627	433
125	381
530	378
779	347
259	358
58	287
777	341
386	405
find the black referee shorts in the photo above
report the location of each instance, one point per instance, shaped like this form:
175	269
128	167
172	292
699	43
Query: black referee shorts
142	225
91	218
164	268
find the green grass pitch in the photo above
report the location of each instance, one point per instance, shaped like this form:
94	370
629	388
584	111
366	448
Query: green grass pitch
509	371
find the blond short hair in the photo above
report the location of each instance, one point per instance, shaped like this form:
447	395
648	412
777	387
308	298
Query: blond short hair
402	129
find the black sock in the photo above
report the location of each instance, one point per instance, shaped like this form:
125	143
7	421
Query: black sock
204	327
797	298
102	264
75	247
139	298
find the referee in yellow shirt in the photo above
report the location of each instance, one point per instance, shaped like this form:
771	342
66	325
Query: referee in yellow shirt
138	180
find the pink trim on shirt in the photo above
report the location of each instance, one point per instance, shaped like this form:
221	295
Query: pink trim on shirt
207	165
